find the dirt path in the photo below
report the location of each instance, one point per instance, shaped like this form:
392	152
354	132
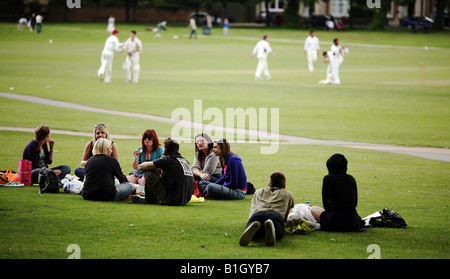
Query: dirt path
441	154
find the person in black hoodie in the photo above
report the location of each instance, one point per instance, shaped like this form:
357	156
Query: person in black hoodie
339	198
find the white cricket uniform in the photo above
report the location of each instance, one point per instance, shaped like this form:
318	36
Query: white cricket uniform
311	48
111	26
111	45
336	61
262	49
131	65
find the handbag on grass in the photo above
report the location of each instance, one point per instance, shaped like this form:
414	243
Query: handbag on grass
24	172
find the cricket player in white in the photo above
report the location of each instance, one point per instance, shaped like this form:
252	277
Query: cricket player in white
133	47
112	44
311	50
328	56
262	49
336	61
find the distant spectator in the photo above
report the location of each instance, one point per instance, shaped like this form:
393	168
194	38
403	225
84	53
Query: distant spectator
226	26
193	27
39	20
22	22
111	24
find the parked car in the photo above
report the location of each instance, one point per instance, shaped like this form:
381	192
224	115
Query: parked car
316	21
274	18
200	18
418	23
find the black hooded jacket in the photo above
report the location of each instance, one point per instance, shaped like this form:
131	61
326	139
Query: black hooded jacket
339	197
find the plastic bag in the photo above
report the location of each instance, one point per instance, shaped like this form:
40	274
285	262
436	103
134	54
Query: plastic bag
300	220
72	184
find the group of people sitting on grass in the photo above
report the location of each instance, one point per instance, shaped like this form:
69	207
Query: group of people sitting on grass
216	172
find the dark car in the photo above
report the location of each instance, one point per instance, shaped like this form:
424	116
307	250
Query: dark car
317	21
200	18
274	18
418	23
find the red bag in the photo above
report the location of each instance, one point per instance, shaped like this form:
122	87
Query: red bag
24	172
196	191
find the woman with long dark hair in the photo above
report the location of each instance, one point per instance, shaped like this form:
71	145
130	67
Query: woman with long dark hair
206	164
233	183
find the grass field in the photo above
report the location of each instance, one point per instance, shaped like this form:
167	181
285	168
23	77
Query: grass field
380	101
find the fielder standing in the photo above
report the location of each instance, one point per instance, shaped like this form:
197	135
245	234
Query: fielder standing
262	50
311	50
336	61
131	66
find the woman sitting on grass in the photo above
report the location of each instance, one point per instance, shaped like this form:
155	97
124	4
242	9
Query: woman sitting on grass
100	131
339	197
101	169
149	151
206	164
233	183
37	151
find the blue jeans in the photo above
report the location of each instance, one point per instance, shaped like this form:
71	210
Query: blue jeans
80	172
123	190
220	192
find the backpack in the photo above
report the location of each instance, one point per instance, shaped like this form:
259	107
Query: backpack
48	181
250	189
388	219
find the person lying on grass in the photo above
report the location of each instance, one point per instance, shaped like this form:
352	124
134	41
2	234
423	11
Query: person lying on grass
268	212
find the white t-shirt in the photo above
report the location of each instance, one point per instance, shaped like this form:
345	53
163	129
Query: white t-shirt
312	43
39	19
336	49
192	24
262	49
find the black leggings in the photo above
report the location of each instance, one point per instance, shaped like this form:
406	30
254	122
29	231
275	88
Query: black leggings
263	216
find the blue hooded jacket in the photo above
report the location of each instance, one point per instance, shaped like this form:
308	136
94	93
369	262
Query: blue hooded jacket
234	176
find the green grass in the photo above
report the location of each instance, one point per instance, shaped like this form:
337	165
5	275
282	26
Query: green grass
380	101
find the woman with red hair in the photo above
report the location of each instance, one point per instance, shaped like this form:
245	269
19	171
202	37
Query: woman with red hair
150	150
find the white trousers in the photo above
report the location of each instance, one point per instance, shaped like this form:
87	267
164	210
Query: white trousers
262	67
311	56
132	68
105	70
335	64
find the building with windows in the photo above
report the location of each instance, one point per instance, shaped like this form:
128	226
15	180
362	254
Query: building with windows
341	9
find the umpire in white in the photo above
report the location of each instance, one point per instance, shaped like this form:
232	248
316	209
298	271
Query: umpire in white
311	50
